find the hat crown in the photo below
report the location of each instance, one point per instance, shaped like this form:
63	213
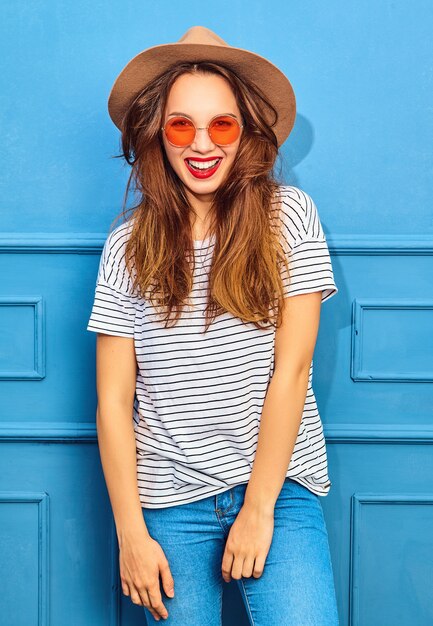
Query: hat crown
202	35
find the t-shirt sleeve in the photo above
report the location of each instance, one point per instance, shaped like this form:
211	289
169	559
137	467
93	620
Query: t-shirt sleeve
310	266
114	308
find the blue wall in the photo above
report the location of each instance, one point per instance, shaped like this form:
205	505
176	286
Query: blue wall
361	146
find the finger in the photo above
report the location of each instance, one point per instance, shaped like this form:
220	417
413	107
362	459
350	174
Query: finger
135	596
156	600
146	602
167	580
259	565
226	565
248	566
237	567
125	588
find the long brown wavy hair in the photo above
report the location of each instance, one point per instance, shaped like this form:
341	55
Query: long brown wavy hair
245	275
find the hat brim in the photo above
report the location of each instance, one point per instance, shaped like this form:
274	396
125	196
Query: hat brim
152	62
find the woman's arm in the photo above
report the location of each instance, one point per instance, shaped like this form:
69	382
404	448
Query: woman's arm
285	398
116	380
251	533
142	560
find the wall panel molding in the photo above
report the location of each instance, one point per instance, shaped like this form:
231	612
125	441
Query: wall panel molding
91	243
391	340
29	360
39	555
374	578
85	432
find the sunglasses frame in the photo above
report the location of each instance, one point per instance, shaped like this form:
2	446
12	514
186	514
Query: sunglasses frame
197	128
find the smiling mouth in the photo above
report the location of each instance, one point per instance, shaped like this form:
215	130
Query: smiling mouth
203	169
203	166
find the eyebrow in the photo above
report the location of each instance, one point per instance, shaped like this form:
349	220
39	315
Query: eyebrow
189	117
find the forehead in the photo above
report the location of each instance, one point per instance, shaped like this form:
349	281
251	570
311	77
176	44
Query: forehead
201	95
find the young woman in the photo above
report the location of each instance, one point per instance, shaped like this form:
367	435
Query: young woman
207	309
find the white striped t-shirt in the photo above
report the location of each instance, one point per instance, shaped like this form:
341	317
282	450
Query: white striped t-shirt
199	396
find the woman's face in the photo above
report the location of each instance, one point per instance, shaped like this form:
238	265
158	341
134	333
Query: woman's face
201	97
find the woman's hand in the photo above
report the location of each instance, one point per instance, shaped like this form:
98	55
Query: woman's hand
141	561
248	544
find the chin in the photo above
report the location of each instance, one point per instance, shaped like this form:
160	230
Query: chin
203	188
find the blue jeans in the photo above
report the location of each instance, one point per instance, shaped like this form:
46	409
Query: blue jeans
296	587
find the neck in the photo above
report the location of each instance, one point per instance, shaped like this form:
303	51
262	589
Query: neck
200	210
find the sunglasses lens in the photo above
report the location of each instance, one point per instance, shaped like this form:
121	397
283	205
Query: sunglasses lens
224	130
180	131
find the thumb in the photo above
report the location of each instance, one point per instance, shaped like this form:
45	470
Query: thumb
167	580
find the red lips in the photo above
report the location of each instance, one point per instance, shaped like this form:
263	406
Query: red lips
202	173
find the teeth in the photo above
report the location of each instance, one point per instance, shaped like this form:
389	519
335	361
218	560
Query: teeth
200	165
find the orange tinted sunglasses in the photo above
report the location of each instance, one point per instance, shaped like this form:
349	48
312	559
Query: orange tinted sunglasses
223	130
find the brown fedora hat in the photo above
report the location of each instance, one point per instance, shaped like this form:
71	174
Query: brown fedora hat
201	44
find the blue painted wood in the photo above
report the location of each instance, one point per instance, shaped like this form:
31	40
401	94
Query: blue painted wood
24	558
361	146
23	322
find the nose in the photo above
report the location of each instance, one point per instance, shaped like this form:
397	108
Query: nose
202	141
